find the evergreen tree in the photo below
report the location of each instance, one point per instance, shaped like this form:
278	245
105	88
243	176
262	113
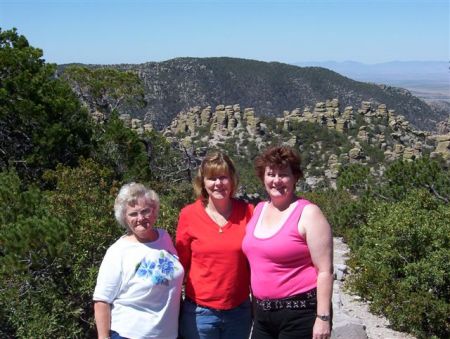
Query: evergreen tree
52	243
41	120
105	90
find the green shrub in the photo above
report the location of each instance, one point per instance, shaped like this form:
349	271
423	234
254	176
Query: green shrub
402	176
51	250
171	203
344	212
402	263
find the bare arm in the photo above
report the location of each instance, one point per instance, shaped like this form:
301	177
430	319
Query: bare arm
102	312
317	231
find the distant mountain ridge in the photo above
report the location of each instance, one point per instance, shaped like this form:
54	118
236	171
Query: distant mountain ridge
270	88
395	70
429	80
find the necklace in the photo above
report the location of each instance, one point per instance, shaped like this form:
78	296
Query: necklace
220	219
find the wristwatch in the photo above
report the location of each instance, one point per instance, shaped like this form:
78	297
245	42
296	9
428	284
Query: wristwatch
324	317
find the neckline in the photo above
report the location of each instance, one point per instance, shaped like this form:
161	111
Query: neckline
219	228
127	239
282	223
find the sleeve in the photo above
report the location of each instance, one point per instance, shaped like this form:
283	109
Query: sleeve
183	240
109	277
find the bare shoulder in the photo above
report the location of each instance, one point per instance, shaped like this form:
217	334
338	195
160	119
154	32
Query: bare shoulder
311	212
312	218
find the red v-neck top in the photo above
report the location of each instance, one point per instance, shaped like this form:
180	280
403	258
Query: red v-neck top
217	271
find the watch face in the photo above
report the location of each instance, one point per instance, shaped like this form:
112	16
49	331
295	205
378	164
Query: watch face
324	317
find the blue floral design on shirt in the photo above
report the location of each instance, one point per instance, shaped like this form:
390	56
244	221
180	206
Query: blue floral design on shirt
166	266
145	269
160	271
160	280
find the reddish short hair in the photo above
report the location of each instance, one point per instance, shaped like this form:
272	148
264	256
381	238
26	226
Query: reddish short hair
279	157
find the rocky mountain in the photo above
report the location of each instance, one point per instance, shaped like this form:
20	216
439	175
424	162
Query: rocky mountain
270	88
328	136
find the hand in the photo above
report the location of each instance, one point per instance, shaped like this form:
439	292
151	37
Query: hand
321	329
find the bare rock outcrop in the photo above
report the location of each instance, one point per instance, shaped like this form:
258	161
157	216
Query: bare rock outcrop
224	121
369	125
443	146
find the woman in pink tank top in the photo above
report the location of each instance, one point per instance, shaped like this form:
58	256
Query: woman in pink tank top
289	246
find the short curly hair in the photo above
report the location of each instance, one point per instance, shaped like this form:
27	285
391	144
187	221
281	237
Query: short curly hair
215	163
128	195
278	157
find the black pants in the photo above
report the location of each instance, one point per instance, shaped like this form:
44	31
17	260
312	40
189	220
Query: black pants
284	324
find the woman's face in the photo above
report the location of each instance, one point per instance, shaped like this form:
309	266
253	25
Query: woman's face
140	218
218	186
279	182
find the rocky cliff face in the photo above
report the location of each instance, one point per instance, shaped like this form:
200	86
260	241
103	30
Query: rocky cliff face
370	128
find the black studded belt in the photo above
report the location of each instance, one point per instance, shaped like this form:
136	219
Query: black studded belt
305	300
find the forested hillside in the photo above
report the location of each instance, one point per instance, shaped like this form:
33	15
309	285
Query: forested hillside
270	88
61	167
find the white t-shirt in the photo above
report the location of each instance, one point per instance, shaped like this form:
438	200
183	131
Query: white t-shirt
142	282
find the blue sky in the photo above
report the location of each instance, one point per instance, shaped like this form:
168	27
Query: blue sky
135	31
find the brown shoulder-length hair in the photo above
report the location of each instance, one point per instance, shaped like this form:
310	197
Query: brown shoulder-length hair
279	157
213	164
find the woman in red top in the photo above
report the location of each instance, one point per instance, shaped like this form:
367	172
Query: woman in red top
208	241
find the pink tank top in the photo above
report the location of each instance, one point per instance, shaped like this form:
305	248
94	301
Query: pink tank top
280	265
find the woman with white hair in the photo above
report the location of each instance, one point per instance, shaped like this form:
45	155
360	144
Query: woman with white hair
139	283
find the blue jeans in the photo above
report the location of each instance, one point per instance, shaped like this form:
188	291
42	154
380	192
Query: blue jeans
115	335
199	322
